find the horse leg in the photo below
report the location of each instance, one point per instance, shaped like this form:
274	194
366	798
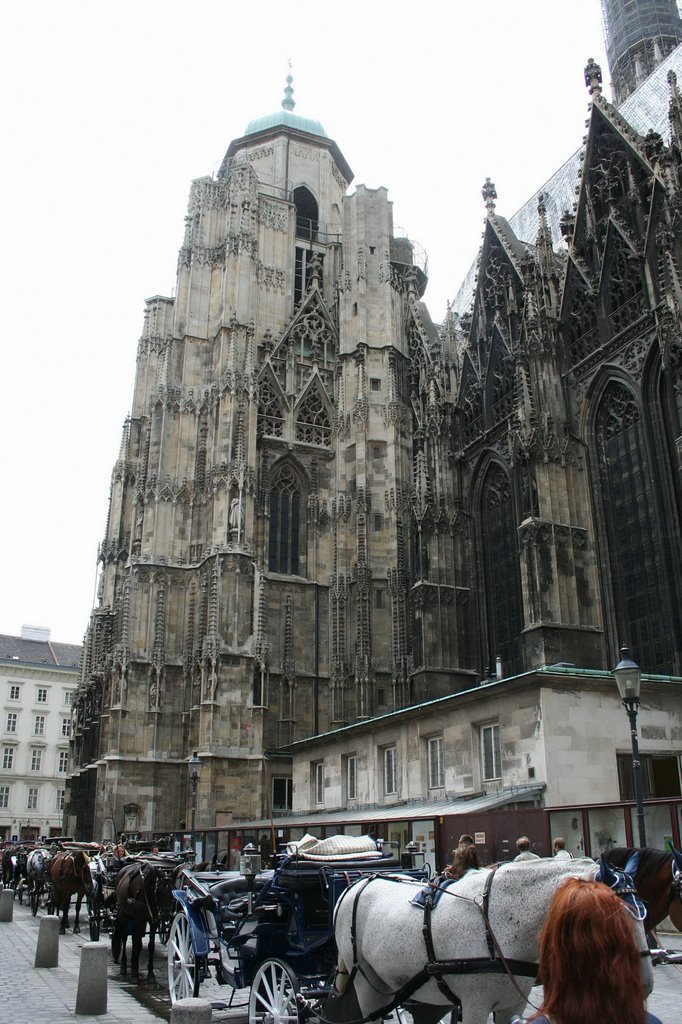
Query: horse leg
151	977
79	900
64	911
124	940
137	949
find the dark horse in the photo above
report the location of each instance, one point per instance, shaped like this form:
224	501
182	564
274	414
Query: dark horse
658	878
70	875
137	894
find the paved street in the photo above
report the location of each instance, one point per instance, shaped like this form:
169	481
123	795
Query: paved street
48	996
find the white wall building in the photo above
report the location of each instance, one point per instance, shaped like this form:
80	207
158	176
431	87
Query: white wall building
38	679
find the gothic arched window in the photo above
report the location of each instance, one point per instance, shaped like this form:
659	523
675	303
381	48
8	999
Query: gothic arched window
639	585
270	416
501	569
312	421
285	523
306	214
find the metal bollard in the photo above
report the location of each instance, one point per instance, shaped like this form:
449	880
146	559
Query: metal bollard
6	905
92	979
191	1011
47	949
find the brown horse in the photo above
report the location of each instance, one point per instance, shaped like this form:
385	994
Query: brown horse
658	878
137	894
70	875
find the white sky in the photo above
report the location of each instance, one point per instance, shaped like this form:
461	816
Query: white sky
110	110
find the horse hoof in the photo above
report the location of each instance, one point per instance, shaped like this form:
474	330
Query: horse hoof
76	930
135	978
123	971
62	931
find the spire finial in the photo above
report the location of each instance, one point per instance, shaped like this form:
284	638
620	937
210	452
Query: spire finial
593	77
489	195
288	103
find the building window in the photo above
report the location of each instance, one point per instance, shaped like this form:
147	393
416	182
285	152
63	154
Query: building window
39	725
313	425
307	214
285	524
318	782
378	598
14	692
436	770
11	722
32	802
637	558
282	791
352	777
63	762
378	521
378	450
501	567
68	698
8	757
41	695
375	383
36	759
270	415
490	752
390	780
4	796
66	726
660	775
59	803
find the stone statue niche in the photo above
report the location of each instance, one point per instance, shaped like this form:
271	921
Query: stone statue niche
236	518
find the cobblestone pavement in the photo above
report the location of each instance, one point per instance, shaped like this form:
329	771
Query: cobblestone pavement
48	996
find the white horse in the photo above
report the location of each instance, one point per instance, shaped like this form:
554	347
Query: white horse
383	950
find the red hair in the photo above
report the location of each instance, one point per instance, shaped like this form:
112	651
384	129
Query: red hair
589	960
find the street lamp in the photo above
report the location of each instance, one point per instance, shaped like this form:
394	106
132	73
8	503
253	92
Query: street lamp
194	764
628	679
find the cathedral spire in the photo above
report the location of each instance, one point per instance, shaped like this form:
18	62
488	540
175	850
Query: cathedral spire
288	103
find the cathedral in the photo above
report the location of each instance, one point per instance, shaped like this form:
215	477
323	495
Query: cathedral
326	506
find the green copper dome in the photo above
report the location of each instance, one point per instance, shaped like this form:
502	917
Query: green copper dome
286	116
288	120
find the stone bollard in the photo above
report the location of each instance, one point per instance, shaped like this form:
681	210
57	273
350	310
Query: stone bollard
191	1011
47	950
6	904
92	979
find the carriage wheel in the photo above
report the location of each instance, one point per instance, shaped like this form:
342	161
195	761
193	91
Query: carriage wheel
272	999
183	975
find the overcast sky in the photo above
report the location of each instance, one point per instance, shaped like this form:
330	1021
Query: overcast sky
110	110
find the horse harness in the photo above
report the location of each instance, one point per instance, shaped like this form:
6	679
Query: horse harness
61	864
495	963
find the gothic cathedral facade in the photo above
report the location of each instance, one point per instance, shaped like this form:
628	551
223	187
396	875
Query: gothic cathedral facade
325	507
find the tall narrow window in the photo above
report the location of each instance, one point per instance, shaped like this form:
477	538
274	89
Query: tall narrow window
390	777
636	561
436	771
318	782
491	763
312	421
285	523
352	777
307	223
501	568
32	802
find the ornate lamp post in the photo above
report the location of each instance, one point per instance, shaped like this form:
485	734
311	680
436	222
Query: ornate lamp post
628	679
194	764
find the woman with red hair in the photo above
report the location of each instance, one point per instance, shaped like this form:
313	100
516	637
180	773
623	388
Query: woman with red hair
589	960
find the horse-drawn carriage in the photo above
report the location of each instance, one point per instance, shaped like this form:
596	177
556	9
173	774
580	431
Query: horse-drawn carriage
273	931
347	940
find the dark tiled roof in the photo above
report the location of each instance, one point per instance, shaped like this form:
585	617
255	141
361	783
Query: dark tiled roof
36	652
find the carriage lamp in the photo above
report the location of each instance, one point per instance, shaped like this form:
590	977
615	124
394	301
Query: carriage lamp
249	867
411	851
194	765
628	678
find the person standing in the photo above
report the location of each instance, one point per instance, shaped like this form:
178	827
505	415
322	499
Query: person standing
525	852
589	960
560	851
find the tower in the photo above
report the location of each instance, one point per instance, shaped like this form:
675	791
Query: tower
639	34
260	544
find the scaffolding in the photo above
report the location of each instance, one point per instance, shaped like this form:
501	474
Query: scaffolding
639	34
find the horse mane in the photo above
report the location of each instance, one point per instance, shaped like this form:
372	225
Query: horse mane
650	860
